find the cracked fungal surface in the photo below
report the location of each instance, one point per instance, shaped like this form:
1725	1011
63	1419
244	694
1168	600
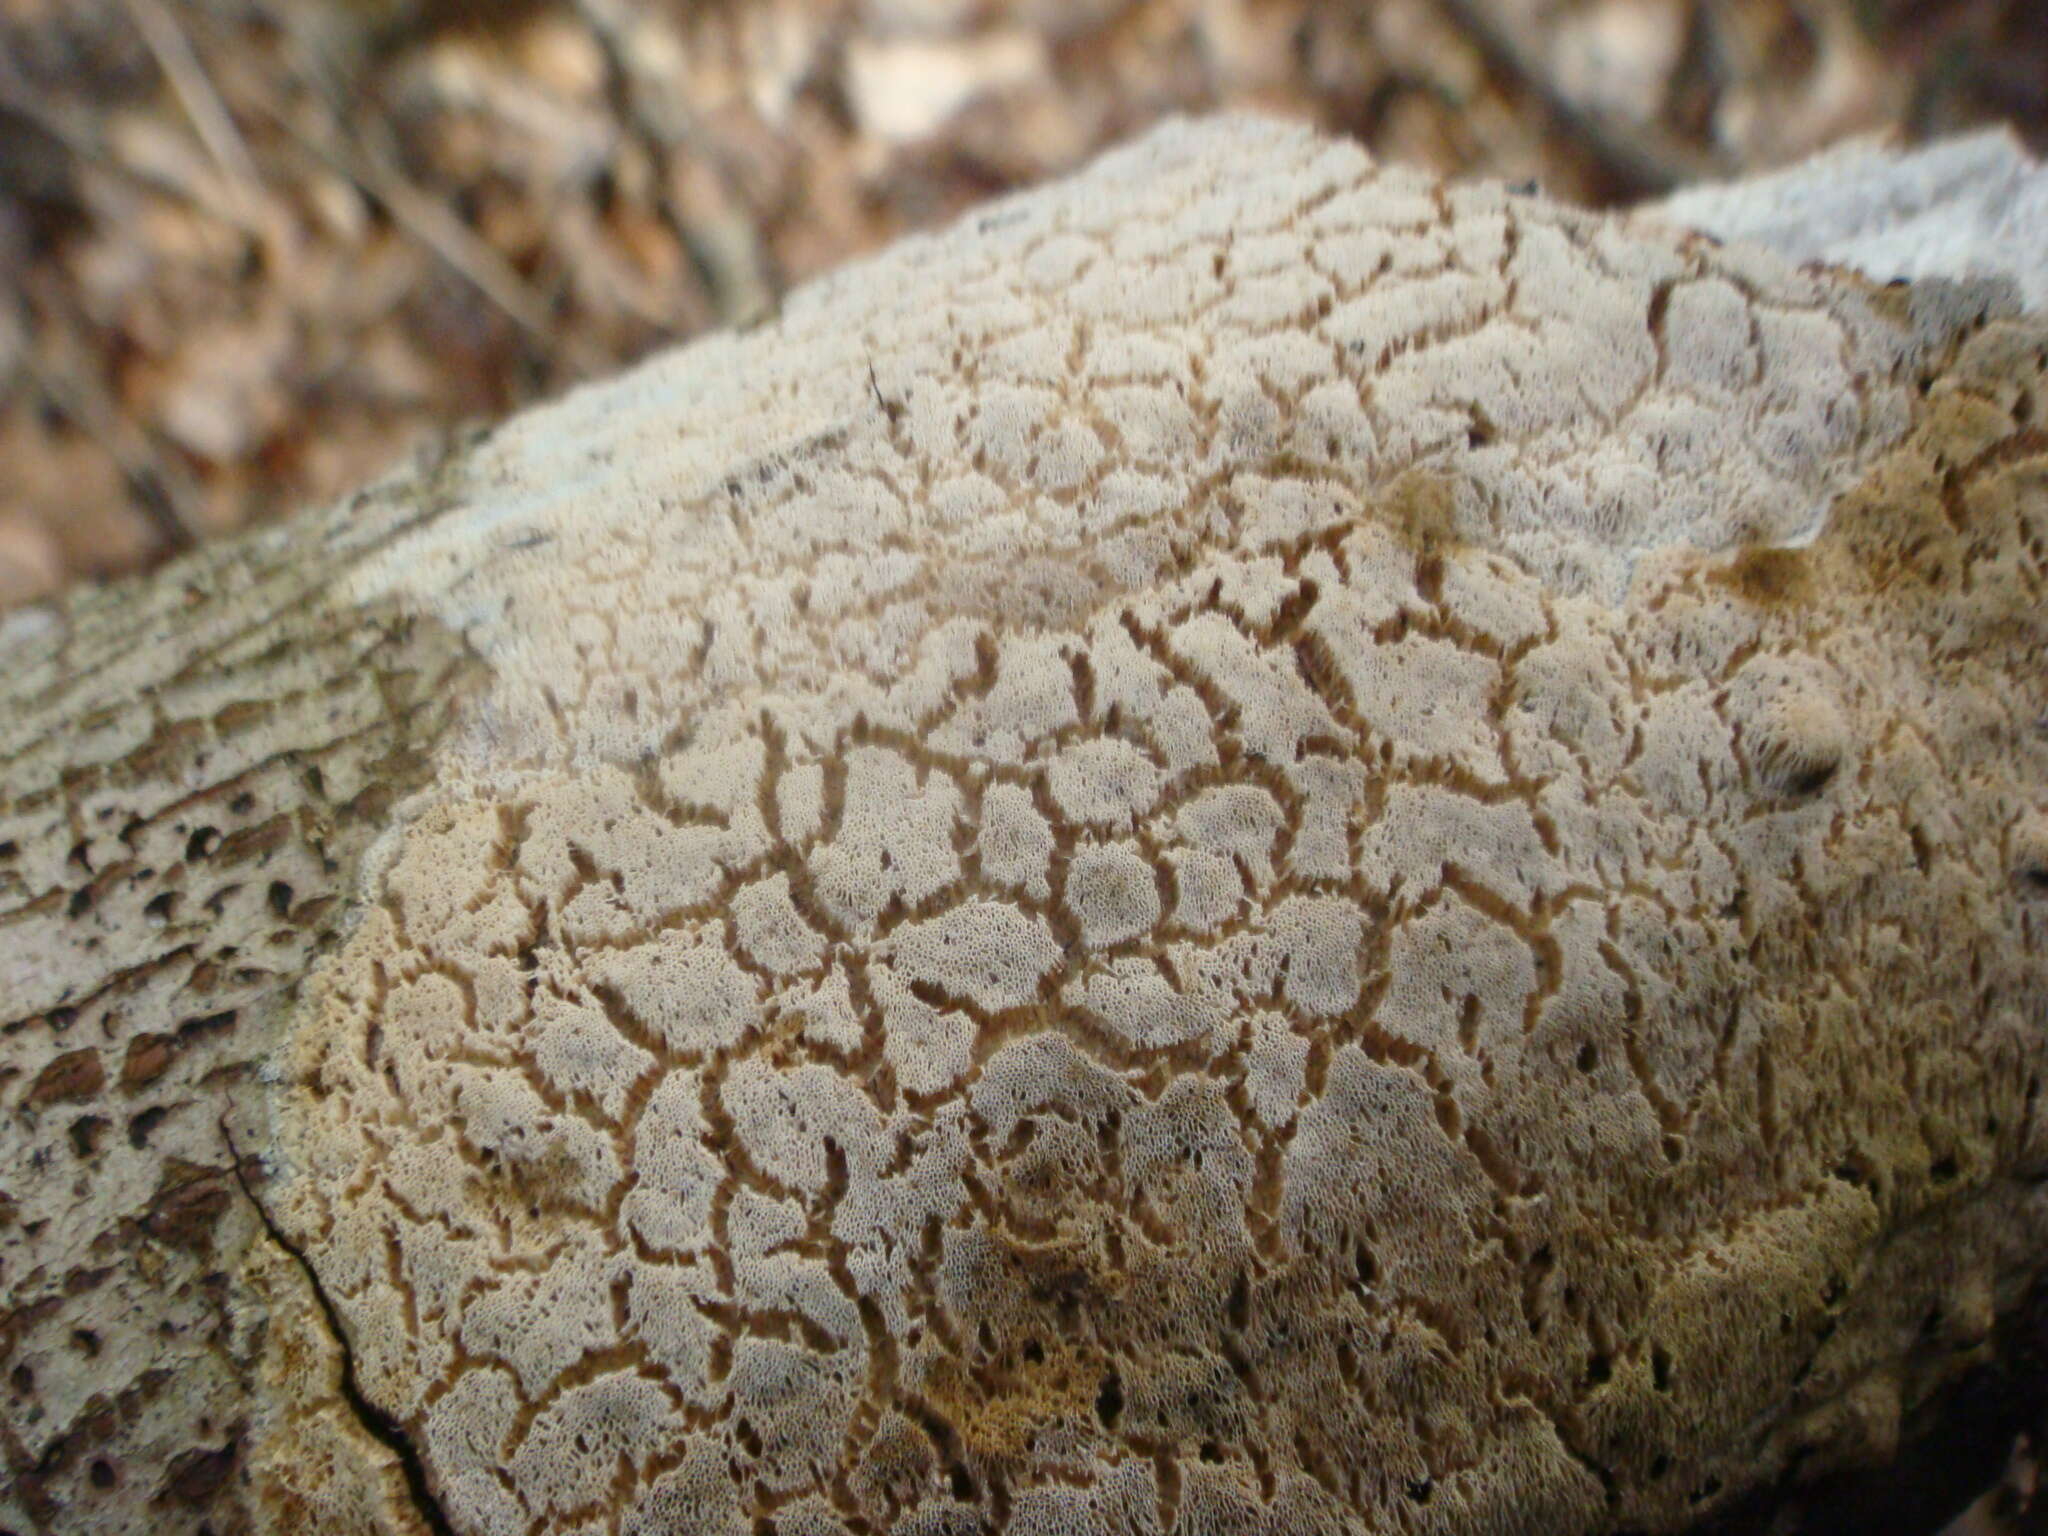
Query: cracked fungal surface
1250	847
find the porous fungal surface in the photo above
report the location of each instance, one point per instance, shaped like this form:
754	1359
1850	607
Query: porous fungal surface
1251	846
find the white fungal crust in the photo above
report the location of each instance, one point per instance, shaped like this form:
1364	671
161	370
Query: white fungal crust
1189	860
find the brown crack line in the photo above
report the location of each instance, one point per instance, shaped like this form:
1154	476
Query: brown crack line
378	1424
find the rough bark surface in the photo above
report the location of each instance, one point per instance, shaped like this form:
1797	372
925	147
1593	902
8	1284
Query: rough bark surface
1252	846
193	767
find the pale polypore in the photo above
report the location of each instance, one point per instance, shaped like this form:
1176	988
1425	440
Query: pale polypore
1251	846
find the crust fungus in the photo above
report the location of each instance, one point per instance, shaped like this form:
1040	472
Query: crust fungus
1252	845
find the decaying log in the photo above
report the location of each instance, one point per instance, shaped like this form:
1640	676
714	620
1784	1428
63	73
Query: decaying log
1253	845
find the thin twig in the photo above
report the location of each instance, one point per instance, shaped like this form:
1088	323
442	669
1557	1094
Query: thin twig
377	176
1643	160
78	135
742	290
165	497
195	93
64	128
430	223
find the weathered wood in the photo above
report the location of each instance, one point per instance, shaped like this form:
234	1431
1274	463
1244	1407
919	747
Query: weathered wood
193	766
1252	846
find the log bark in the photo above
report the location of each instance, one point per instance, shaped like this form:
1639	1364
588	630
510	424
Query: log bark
249	801
193	766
